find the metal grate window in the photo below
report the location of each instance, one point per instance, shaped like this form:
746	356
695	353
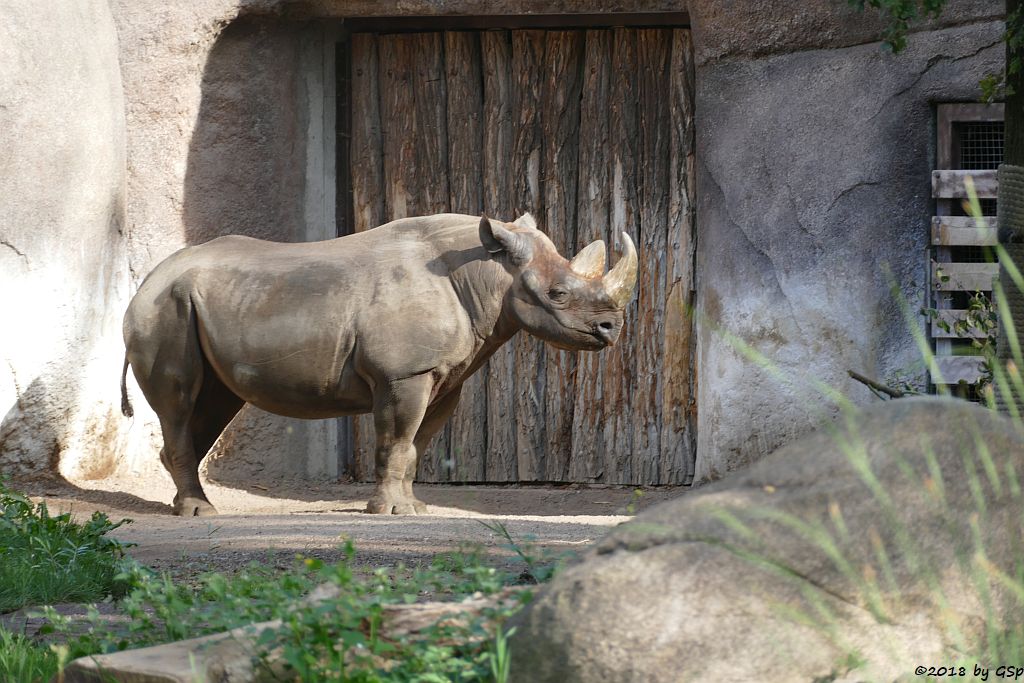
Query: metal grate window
979	148
981	144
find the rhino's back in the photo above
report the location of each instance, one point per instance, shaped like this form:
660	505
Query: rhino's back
297	312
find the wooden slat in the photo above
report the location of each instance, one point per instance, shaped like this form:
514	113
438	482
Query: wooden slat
527	156
653	173
956	369
588	447
367	176
366	170
468	425
398	124
679	418
431	150
951	316
964	277
949	184
498	136
620	360
428	173
971	111
963	231
560	119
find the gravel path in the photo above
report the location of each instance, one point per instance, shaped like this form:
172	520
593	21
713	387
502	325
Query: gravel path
273	523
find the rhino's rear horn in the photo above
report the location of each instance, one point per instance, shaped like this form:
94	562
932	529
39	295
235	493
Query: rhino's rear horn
590	261
621	279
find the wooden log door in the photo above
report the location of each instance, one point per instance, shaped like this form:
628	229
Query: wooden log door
591	130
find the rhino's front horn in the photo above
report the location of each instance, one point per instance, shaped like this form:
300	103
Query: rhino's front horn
621	279
590	261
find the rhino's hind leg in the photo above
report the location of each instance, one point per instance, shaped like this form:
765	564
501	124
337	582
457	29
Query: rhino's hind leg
214	408
184	393
398	410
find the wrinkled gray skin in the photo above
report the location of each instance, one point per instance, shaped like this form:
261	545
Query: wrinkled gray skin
390	321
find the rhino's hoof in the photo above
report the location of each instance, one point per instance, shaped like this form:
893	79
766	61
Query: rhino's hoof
379	507
194	507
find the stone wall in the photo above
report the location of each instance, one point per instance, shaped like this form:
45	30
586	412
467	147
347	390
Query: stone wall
814	152
63	275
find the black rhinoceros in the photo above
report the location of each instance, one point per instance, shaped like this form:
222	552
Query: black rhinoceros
390	321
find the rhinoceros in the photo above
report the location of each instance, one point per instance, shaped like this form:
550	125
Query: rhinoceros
391	321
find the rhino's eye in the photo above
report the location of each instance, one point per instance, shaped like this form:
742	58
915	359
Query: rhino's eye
558	295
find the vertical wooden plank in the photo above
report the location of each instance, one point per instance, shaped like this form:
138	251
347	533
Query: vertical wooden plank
679	418
430	167
468	425
588	447
619	377
431	143
366	169
498	142
560	121
367	176
652	51
527	173
398	124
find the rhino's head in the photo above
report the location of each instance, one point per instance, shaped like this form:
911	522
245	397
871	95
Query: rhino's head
574	304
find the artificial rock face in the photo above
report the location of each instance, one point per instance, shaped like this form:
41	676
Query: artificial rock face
63	269
390	321
856	544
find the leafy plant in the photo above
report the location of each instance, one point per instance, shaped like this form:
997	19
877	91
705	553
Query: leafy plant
52	558
23	661
540	565
337	637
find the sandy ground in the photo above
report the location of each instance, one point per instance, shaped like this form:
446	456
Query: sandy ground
276	522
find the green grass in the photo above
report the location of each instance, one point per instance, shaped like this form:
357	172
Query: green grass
49	559
22	661
337	639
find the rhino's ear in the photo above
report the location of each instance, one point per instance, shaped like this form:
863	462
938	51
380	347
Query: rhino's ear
526	221
498	239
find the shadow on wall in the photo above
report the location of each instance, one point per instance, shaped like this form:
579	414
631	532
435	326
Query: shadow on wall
245	175
25	431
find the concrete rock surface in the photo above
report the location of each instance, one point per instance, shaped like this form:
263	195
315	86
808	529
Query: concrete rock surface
62	237
853	554
799	262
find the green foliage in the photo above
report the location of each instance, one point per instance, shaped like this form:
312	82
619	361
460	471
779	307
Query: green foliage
900	15
23	661
51	558
338	638
540	565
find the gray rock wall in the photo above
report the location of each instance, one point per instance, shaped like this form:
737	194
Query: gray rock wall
813	178
63	278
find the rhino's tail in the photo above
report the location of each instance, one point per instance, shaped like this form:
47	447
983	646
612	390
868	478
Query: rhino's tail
126	405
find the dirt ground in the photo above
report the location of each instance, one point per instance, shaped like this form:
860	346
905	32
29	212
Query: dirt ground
274	523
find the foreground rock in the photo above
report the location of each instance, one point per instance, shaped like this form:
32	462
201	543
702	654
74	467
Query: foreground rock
855	554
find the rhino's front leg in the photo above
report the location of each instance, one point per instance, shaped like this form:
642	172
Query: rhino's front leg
398	410
433	421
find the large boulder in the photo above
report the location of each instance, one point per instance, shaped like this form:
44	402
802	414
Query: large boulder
866	549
